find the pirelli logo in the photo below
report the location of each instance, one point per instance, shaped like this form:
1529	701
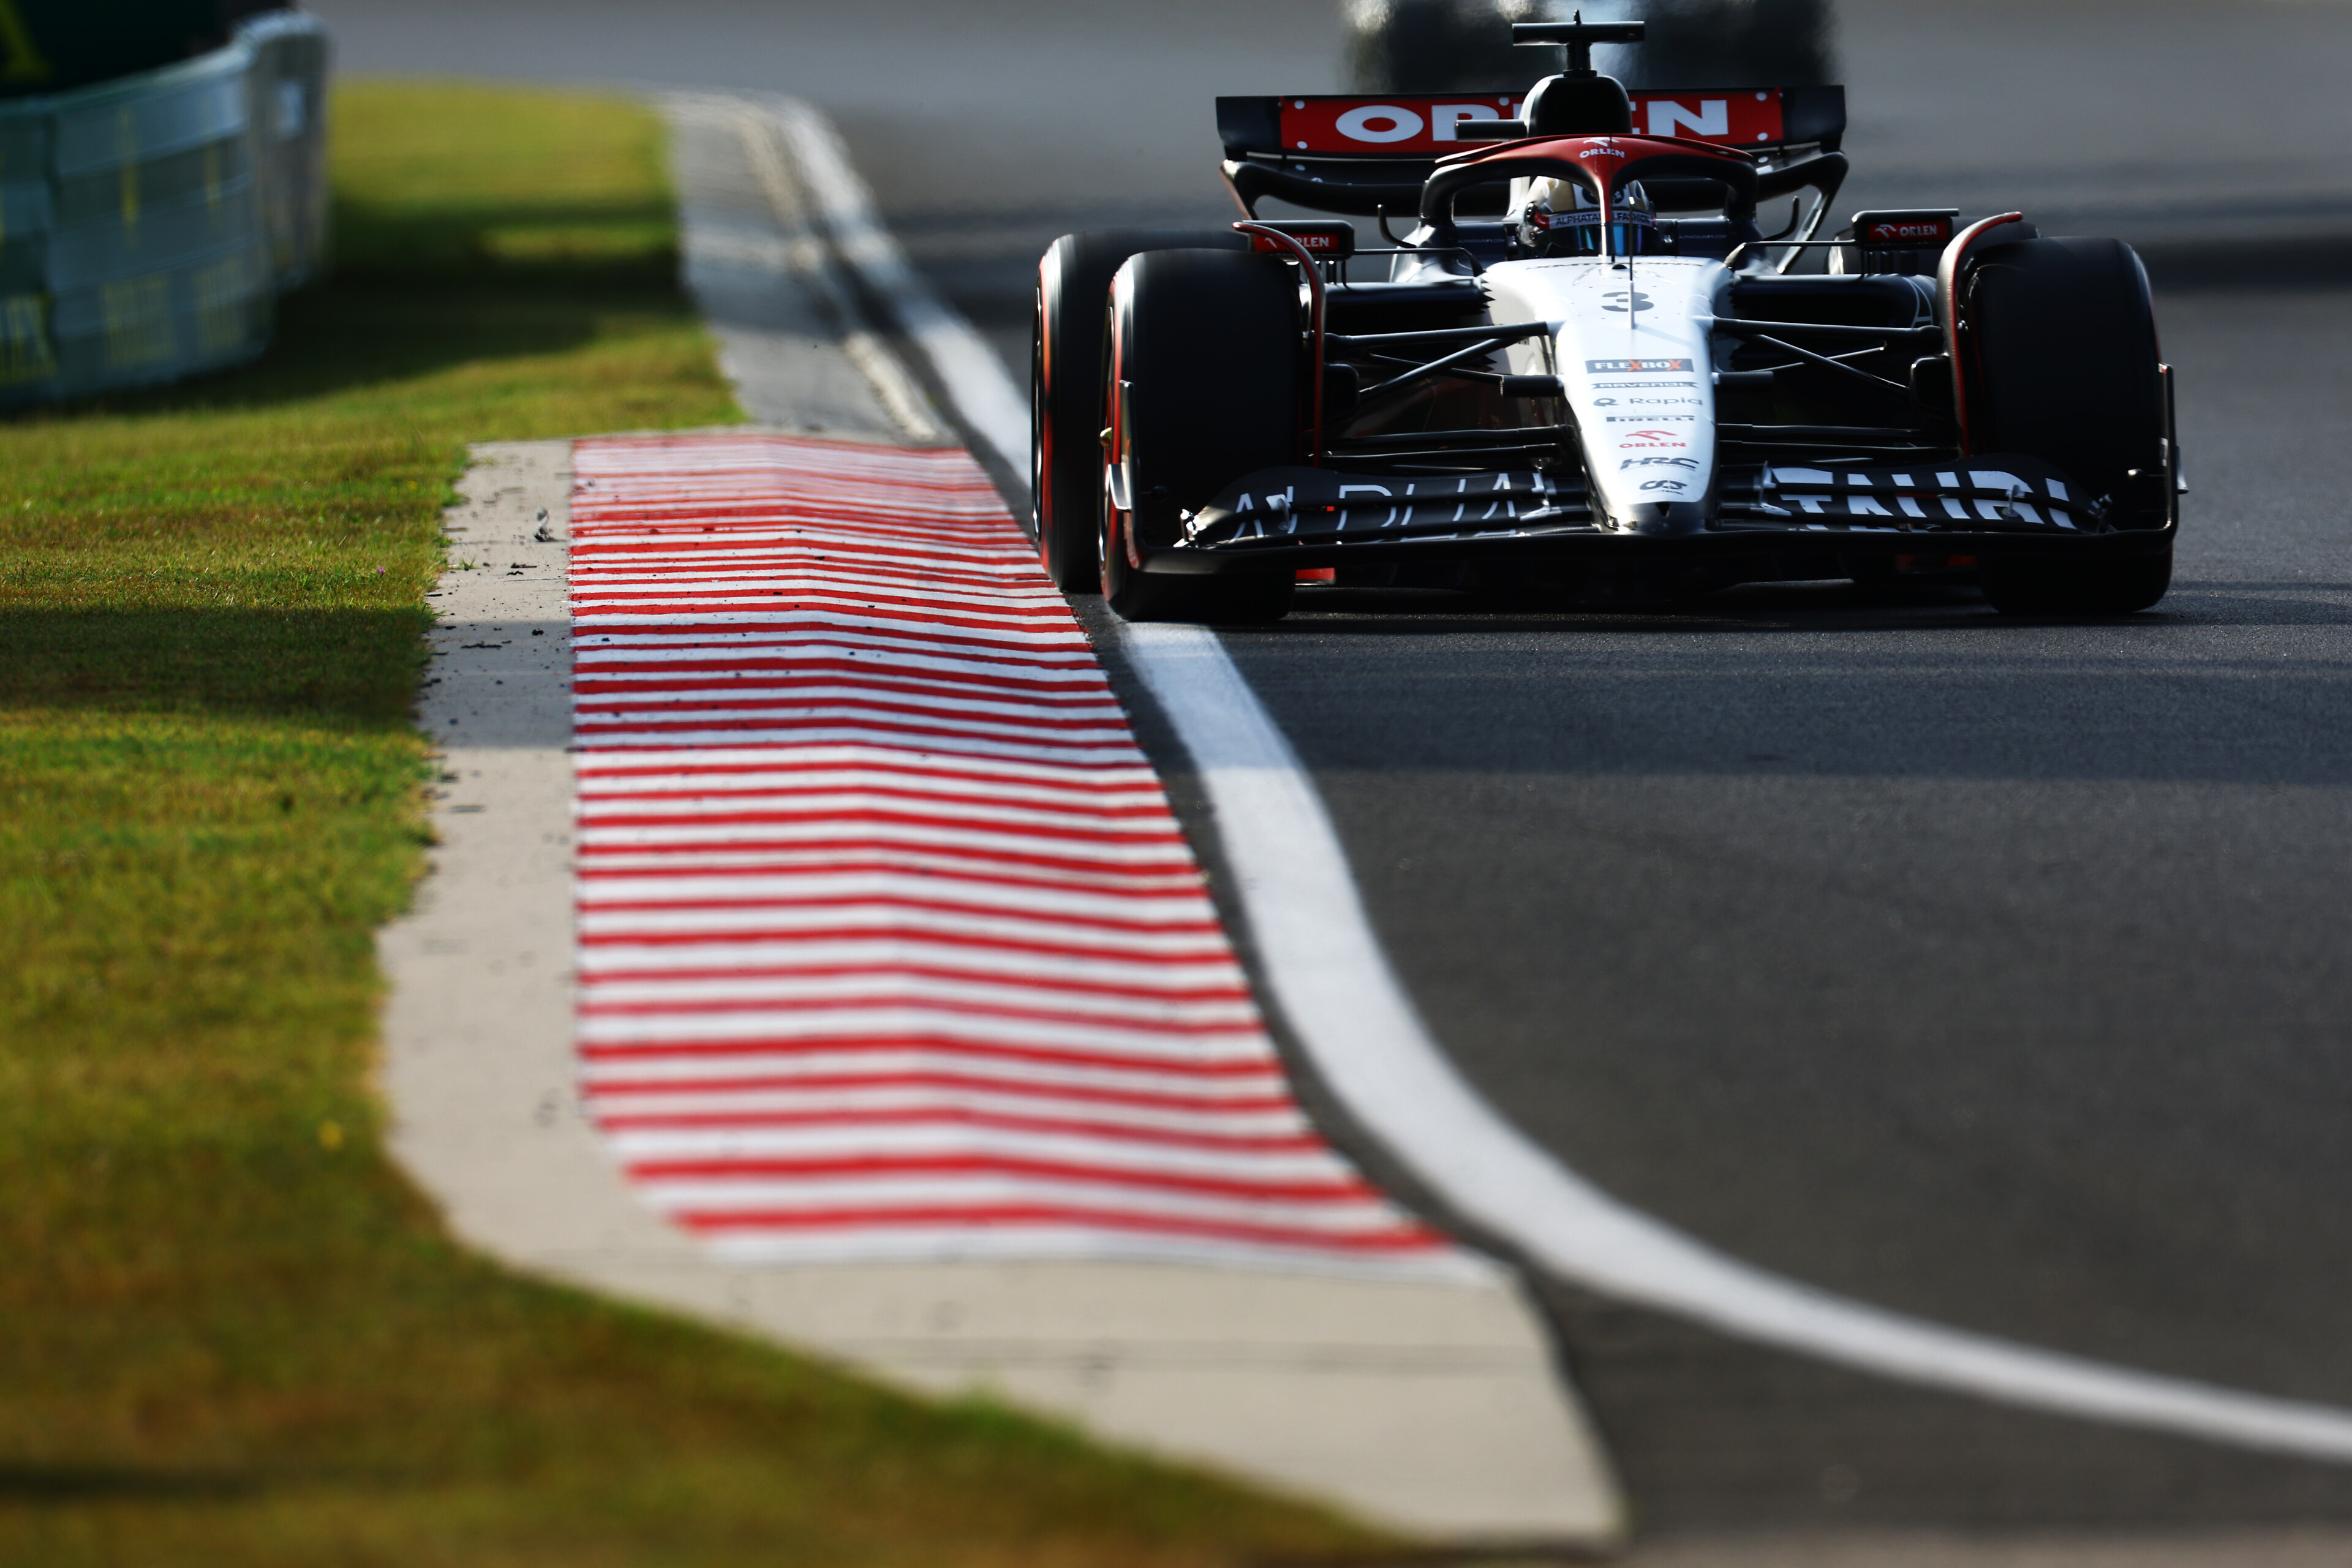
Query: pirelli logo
1637	366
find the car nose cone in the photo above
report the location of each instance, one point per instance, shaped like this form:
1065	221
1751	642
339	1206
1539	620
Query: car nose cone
1663	520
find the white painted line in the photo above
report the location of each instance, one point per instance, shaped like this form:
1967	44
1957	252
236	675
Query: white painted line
1334	984
987	398
900	395
791	249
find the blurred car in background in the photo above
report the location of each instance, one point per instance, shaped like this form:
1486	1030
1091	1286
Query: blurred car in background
1451	46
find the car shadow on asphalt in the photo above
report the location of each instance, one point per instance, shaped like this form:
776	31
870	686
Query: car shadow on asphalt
1751	607
1809	608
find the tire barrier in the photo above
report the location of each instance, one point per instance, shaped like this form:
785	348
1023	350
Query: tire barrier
148	224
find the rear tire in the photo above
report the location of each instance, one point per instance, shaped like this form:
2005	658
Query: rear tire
2065	368
1066	387
1202	364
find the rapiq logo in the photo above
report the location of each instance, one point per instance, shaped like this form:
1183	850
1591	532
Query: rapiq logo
1637	366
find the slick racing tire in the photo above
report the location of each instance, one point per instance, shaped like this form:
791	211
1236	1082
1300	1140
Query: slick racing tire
1065	407
1202	370
2064	365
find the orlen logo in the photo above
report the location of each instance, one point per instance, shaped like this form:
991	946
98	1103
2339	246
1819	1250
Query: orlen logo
1380	122
1735	120
1334	125
1668	118
1939	229
1319	238
1388	125
1647	440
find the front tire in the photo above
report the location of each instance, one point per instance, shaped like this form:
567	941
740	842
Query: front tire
1066	387
1202	379
2122	587
2064	367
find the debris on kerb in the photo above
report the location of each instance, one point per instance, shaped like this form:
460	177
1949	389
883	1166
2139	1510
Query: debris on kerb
149	222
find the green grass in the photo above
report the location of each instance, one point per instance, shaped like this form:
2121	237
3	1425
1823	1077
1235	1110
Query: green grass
229	1331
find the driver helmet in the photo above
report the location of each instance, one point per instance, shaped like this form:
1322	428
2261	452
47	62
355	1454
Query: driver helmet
1560	217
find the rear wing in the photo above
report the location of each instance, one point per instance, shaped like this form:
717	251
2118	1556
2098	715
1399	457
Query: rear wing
1362	155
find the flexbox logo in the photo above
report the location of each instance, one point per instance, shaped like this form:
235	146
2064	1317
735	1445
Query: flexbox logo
1637	366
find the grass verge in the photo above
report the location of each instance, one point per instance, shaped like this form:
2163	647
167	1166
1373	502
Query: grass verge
234	1333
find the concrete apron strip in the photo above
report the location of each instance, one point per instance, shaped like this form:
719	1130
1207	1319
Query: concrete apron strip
1333	984
1429	1405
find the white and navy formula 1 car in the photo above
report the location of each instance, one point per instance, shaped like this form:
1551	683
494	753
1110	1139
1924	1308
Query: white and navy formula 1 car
1587	368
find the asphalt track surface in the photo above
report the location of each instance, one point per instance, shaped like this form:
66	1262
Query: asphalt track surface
1990	971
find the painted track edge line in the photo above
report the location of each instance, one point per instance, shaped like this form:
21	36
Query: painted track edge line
1334	984
965	364
984	397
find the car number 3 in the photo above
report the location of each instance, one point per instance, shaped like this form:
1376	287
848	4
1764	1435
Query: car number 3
1639	301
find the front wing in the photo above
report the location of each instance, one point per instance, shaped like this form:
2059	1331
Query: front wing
2002	504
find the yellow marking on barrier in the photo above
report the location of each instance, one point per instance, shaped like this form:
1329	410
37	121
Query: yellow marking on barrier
126	147
138	313
221	297
25	63
24	351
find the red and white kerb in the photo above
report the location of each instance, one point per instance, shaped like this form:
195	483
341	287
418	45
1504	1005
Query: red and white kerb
889	946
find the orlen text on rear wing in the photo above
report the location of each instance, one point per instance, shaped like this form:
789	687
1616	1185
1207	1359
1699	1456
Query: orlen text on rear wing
1361	155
